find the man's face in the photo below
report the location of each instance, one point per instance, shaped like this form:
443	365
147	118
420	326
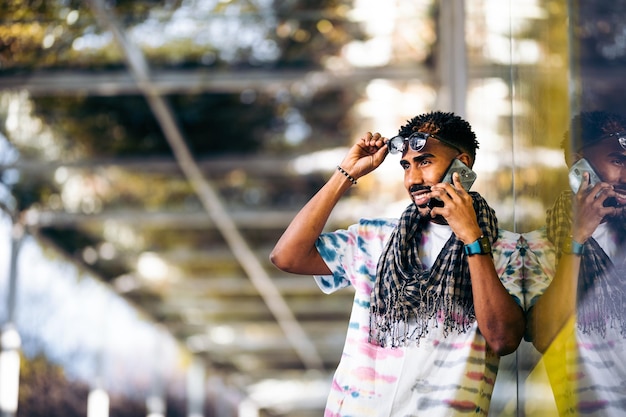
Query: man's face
425	168
608	159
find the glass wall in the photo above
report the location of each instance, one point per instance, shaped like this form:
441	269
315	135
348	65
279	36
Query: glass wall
559	60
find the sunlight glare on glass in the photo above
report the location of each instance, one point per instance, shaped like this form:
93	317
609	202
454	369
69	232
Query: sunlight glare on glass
121	235
297	128
92	41
152	267
9	369
72	17
61	175
107	251
222	335
98	403
156	406
48	41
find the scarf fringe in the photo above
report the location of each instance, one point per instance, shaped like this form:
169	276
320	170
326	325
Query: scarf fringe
601	284
408	299
401	327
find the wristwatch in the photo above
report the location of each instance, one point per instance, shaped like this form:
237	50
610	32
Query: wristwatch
570	246
478	247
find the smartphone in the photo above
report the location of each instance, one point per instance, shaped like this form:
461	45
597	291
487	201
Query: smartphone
576	174
466	175
576	178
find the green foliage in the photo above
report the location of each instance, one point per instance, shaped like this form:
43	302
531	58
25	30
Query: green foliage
39	34
45	391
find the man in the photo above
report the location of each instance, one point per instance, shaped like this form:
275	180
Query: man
429	321
576	298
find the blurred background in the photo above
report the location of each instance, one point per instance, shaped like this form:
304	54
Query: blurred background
153	151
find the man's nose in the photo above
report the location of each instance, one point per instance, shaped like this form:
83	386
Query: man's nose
414	176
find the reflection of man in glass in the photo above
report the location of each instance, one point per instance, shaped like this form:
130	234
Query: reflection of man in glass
433	309
579	321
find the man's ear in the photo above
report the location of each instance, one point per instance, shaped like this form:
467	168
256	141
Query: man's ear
466	159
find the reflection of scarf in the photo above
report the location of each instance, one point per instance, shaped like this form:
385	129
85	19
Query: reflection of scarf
601	291
406	295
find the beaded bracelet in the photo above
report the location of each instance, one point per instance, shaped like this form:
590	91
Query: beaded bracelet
348	176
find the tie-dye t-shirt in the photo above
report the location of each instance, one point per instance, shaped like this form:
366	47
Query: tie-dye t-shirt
449	375
587	371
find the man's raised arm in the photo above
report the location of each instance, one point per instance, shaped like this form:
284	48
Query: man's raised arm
295	251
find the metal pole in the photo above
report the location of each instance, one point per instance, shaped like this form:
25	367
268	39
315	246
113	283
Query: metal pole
10	341
452	62
196	388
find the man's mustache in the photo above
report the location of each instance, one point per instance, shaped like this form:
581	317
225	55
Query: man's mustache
620	189
417	188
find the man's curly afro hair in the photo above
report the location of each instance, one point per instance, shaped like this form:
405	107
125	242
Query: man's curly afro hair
448	126
590	127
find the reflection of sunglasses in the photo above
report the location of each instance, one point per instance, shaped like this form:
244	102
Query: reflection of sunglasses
416	140
621	138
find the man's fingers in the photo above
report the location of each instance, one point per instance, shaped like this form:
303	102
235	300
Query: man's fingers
456	179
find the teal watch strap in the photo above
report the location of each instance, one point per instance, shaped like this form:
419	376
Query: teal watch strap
572	247
478	247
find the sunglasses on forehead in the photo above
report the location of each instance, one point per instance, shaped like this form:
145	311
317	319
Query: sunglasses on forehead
416	140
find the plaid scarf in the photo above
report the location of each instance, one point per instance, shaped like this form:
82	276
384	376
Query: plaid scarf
406	295
601	291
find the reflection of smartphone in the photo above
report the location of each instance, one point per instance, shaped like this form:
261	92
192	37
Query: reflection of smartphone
466	175
576	174
576	179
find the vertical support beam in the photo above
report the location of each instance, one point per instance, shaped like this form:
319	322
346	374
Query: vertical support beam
452	58
17	234
9	370
196	388
156	401
98	403
10	341
575	64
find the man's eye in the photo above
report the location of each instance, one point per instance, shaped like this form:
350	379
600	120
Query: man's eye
404	165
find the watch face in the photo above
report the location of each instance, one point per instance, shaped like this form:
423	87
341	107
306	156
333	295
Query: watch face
567	246
485	246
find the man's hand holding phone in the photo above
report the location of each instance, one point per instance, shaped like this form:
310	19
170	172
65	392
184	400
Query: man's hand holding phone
590	206
457	209
594	200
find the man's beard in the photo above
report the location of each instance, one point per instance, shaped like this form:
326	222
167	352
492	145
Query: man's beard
610	202
425	209
618	201
617	221
619	218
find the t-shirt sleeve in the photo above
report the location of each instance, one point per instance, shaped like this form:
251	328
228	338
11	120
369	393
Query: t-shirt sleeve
539	265
508	262
352	254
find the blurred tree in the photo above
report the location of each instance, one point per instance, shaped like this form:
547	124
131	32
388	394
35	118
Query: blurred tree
64	34
599	54
45	391
598	29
